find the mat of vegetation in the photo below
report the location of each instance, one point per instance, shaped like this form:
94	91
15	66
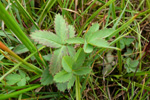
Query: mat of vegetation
74	49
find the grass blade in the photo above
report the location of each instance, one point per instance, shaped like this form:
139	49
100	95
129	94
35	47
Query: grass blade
48	6
12	24
36	69
6	96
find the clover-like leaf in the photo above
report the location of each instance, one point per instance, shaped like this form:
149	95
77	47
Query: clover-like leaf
62	76
47	38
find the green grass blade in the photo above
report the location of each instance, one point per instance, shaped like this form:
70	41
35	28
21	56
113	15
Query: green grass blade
35	69
78	94
48	6
6	96
16	66
12	24
23	10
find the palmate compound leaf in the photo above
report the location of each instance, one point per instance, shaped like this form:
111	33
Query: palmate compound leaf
61	27
47	38
62	76
56	59
67	63
46	77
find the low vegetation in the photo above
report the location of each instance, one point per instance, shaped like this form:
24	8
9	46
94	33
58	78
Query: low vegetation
74	49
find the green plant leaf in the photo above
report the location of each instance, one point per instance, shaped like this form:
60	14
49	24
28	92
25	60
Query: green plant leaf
134	63
71	51
125	42
47	57
22	82
8	35
61	27
22	74
46	38
101	43
82	71
71	31
128	41
71	82
13	78
56	59
75	40
22	49
61	86
20	78
131	65
67	63
92	29
63	76
128	52
87	47
101	34
79	59
122	44
106	69
46	77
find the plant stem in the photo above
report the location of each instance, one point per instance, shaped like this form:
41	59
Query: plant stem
78	95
